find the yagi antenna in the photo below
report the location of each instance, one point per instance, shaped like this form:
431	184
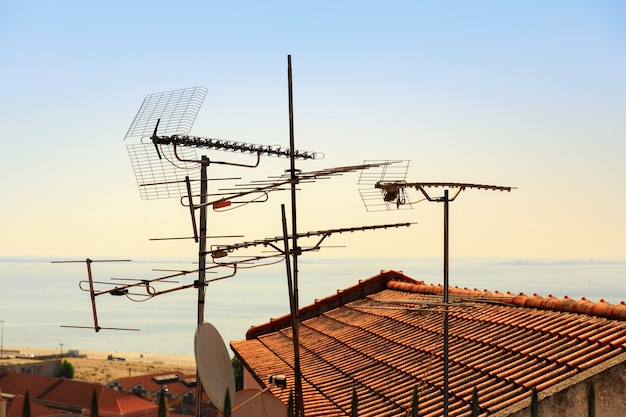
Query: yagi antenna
92	294
228	197
165	154
322	234
116	289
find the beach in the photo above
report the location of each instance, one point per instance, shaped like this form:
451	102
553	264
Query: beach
95	366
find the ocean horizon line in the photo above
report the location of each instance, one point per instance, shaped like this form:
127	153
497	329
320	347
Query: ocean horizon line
504	260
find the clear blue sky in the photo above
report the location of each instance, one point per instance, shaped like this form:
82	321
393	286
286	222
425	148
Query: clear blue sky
528	94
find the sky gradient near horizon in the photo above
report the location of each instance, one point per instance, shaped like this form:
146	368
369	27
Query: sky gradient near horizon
524	94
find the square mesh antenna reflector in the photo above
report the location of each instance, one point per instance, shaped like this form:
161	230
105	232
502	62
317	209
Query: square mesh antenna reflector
177	110
163	178
388	171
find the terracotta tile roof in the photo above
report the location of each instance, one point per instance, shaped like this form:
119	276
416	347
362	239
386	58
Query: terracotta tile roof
384	337
14	383
15	408
128	406
178	385
76	396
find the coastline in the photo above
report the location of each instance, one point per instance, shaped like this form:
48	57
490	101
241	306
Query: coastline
186	361
94	366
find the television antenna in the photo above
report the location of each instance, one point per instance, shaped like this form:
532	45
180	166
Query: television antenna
92	293
162	124
392	188
165	166
170	108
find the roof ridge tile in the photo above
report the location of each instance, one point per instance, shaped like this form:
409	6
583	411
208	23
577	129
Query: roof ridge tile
601	308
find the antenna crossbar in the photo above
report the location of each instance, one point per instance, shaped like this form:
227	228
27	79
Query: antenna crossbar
328	232
232	146
462	185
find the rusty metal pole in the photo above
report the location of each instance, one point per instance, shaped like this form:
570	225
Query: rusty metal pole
295	252
201	265
445	301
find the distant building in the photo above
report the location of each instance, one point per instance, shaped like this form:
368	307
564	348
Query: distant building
52	396
49	367
180	390
383	338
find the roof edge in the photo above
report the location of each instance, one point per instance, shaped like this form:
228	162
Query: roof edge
560	386
566	304
364	288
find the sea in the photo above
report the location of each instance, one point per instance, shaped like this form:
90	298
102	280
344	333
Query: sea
48	305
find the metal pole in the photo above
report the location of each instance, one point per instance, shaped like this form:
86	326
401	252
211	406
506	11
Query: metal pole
295	251
92	295
201	265
445	302
1	339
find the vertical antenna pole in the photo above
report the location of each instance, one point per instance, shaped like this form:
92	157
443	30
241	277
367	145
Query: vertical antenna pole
292	306
93	295
201	265
295	251
445	301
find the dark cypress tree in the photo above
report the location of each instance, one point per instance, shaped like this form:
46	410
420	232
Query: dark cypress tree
355	404
162	404
227	404
290	404
94	404
415	404
592	400
475	409
26	407
534	404
238	369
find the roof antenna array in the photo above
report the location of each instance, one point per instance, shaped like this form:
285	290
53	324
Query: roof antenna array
165	166
393	190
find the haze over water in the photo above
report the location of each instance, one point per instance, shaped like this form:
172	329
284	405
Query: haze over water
37	297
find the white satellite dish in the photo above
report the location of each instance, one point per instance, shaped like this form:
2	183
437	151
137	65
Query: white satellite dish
213	364
256	403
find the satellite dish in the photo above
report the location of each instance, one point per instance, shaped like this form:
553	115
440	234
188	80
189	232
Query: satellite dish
213	364
256	403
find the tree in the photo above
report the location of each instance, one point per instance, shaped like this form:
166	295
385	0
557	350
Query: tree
475	409
238	370
26	407
66	370
162	404
415	404
94	404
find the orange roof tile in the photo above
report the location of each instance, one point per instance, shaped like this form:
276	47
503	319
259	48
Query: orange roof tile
178	386
76	396
384	336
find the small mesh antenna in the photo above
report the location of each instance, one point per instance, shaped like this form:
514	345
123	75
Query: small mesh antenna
387	171
177	110
163	178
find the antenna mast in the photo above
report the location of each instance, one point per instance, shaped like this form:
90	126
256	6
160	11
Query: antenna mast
393	190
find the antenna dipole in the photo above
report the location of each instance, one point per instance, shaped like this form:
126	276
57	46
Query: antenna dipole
93	294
